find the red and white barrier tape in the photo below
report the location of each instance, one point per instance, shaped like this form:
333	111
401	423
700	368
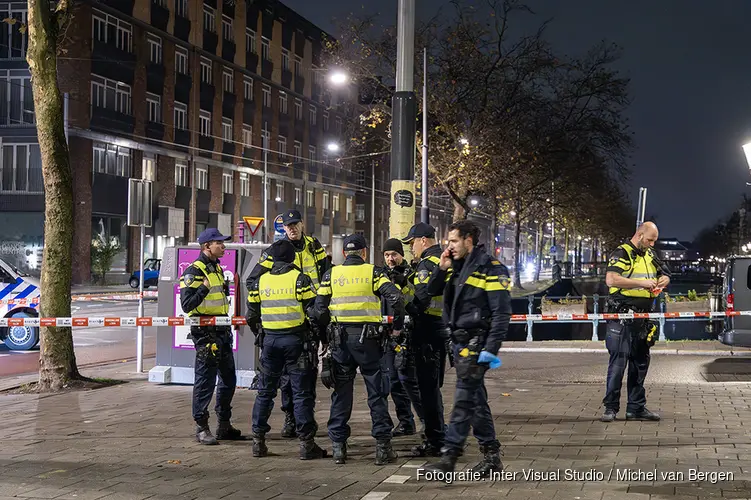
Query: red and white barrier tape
79	298
238	320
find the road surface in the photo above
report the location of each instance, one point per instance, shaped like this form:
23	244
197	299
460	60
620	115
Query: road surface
92	345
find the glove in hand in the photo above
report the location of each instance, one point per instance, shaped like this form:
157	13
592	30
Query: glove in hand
492	359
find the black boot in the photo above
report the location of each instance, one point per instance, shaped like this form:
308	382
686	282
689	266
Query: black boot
384	453
225	431
340	452
203	433
425	450
289	430
490	463
259	445
403	430
447	464
309	450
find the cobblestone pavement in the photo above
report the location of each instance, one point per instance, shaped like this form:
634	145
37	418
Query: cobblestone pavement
134	441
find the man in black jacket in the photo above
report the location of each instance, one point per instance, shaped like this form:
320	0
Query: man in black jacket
477	309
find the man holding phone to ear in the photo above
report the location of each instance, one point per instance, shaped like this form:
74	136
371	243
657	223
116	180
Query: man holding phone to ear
635	277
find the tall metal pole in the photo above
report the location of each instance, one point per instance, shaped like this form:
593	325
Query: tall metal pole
425	211
641	211
402	214
372	214
139	338
265	182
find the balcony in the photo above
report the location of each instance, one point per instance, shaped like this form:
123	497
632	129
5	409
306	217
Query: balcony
315	92
183	84
159	16
267	68
182	137
110	194
310	216
299	128
108	120
313	172
207	96
182	198
206	144
251	61
228	50
111	62
210	41
182	28
299	84
125	6
228	105
248	155
203	201
155	78
210	3
287	78
228	151
155	130
284	125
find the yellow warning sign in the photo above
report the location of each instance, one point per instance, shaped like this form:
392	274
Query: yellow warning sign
254	224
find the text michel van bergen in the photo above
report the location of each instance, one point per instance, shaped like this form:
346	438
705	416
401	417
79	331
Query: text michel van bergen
635	475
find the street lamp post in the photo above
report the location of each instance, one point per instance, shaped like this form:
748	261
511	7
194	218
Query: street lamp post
425	210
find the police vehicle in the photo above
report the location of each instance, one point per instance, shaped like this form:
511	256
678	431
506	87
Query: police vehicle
16	286
737	297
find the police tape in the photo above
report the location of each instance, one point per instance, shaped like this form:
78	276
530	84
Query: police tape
79	298
96	322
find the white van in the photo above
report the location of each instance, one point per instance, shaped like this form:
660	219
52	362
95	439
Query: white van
19	297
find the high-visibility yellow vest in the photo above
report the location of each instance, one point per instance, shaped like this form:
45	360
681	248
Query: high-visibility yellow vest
216	302
306	259
435	308
281	308
639	268
352	294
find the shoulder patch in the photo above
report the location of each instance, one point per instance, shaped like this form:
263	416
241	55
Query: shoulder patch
495	262
188	279
505	282
423	275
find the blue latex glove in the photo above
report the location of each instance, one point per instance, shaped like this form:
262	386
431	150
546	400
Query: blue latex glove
486	357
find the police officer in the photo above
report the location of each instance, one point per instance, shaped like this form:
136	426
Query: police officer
350	298
428	338
635	276
403	378
277	303
310	257
477	309
204	292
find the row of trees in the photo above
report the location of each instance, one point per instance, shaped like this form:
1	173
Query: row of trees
539	134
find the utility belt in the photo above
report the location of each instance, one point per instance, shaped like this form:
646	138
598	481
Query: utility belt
463	336
466	363
198	333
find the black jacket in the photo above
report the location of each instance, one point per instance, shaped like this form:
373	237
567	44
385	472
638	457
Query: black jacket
401	276
387	292
190	298
303	287
476	296
425	269
309	243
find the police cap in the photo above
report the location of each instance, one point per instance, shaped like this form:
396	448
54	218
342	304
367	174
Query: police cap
291	217
354	242
419	230
212	234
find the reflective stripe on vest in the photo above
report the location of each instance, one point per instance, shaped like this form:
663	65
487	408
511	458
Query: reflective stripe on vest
352	297
306	261
642	268
216	302
435	308
280	309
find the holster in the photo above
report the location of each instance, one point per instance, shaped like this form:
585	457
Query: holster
328	371
466	364
308	357
334	333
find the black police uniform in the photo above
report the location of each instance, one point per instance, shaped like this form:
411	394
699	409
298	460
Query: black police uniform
213	344
349	293
477	309
313	247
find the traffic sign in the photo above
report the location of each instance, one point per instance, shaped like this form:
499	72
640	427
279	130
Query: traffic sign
254	224
279	236
553	250
278	224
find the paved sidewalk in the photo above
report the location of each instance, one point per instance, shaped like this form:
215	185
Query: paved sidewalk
688	347
134	441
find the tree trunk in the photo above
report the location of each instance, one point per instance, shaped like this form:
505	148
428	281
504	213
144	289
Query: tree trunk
517	255
459	212
540	252
57	360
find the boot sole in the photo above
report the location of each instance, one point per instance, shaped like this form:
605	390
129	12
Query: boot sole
322	455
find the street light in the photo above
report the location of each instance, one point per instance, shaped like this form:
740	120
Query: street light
338	77
474	201
464	141
333	147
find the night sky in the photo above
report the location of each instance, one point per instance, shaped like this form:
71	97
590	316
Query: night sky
690	67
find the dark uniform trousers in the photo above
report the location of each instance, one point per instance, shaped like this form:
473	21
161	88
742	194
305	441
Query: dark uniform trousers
207	366
470	409
625	347
396	384
347	358
280	353
430	353
285	387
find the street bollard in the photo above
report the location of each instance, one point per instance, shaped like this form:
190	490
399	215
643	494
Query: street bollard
662	320
596	321
530	311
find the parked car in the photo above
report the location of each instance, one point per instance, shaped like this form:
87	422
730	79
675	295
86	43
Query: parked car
16	285
150	274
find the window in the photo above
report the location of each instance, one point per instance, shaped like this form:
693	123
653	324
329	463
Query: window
209	19
312	115
360	212
181	60
202	178
298	151
227	182
181	116
111	30
266	95
266	137
16	98
360	177
339	125
227	29
247	136
335	202
148	167
282	143
21	169
279	191
112	160
250	41
181	174
181	8
154	105
228	80
325	200
283	102
109	94
155	49
349	208
206	70
312	153
298	109
205	119
326	121
285	59
265	48
248	88
298	66
298	196
13	43
227	129
244	184
310	201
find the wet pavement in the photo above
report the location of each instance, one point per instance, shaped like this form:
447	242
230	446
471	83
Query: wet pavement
134	441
